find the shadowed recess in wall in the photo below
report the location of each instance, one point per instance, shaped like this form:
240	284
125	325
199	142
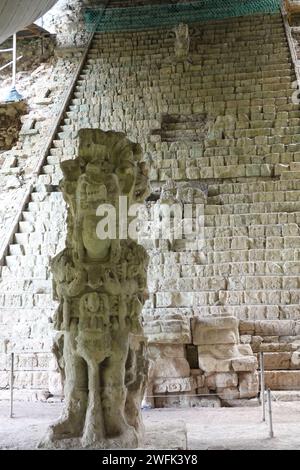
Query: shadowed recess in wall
170	14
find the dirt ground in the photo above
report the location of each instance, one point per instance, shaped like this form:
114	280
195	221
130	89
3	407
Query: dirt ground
207	428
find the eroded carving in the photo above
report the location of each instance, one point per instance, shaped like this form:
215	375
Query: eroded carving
101	287
182	42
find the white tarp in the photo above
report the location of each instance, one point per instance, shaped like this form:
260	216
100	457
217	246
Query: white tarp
17	14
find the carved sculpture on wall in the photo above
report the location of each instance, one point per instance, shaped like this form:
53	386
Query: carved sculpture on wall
101	287
182	42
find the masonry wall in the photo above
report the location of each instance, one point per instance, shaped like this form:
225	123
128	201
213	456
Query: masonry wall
219	129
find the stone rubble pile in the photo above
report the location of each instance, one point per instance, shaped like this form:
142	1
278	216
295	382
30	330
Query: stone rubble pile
10	123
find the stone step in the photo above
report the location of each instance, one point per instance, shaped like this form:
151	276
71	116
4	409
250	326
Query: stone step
27	362
52	180
252	312
63	153
28	273
52	236
99	82
233	40
193	154
35	249
233	268
50	169
24	261
252	254
21	286
290	175
96	81
207	256
26	227
231	283
252	219
240	49
264	127
46	196
252	187
252	232
36	380
36	226
229	67
48	206
25	300
241	23
245	52
47	209
283	380
162	92
93	89
68	135
217	172
285	396
268	196
255	207
137	51
223	297
242	242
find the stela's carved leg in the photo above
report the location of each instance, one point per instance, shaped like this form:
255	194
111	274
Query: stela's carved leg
71	423
94	426
114	397
137	365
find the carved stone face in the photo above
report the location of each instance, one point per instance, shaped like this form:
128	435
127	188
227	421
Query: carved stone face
96	193
93	302
127	174
182	30
95	247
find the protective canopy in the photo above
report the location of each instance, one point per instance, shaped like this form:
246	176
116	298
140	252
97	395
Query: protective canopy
17	14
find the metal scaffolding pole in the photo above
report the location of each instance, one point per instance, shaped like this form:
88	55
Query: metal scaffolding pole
13	94
262	385
12	378
271	431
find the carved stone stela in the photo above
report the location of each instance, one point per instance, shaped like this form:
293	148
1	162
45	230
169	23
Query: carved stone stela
182	41
101	289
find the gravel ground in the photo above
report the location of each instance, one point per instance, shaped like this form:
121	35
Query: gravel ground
207	428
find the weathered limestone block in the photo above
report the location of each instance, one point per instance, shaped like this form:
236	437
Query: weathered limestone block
247	363
277	360
223	330
166	361
168	329
248	384
229	393
222	358
222	380
283	380
100	282
173	385
174	392
275	328
175	367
